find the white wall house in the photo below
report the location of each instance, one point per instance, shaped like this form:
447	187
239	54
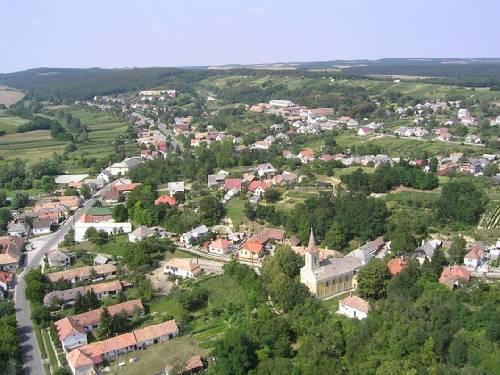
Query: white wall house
354	307
182	268
109	227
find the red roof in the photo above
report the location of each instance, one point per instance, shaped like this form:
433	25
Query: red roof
453	274
254	185
357	303
253	247
232	183
6	277
221	244
166	199
475	253
396	265
125	187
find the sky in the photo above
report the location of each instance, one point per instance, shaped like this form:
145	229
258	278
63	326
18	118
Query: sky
133	33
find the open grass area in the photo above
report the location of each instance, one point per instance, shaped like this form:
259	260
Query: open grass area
115	247
156	357
10	123
34	145
235	212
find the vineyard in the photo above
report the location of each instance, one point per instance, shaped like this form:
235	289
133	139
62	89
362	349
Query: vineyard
491	217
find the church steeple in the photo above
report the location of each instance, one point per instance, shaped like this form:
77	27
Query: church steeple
312	253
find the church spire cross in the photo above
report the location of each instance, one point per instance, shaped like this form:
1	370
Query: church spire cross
311	247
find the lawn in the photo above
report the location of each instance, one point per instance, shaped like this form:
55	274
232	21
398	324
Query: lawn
332	304
235	211
115	247
9	123
154	358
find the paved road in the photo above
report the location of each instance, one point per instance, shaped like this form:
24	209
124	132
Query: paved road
32	359
170	133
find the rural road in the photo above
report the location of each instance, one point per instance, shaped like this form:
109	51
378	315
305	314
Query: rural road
31	356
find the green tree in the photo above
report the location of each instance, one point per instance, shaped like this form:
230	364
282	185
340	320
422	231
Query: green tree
20	200
235	353
372	279
462	202
211	210
105	329
120	213
334	238
457	250
85	191
272	195
403	241
457	355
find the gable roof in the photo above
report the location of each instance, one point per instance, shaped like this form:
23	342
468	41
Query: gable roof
253	247
183	264
453	274
232	183
357	303
220	243
166	199
396	265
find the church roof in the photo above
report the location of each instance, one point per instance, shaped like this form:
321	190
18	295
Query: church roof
311	247
333	267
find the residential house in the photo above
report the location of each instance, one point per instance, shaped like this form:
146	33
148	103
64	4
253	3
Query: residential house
83	273
68	296
475	256
166	199
366	252
219	246
396	265
305	155
41	226
140	233
327	277
251	250
70	335
10	252
454	276
84	358
187	239
182	267
111	197
365	131
17	229
216	179
261	145
281	103
426	250
463	112
101	259
268	235
232	184
175	187
125	166
265	170
259	187
57	258
354	307
352	124
6	279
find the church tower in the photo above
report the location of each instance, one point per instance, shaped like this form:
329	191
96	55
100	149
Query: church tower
312	253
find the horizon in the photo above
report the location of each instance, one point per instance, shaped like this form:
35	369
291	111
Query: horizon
117	35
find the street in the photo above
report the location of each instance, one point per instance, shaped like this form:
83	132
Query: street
31	356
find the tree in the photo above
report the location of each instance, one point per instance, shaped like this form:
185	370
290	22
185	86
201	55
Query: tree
211	210
40	315
403	241
372	279
235	353
461	202
272	195
457	250
3	198
334	238
35	285
105	329
4	218
457	354
85	191
120	213
98	238
20	200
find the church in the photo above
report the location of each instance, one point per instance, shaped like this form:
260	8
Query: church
328	277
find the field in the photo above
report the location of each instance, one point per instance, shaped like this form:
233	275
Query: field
36	145
491	217
155	358
235	211
9	96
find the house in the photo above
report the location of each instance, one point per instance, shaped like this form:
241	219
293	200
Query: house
111	197
18	229
90	320
216	179
57	258
251	250
108	226
365	131
306	155
193	366
6	279
188	238
265	170
68	296
261	145
327	277
396	265
41	226
182	267
475	256
352	124
270	234
125	166
124	188
232	184
104	177
175	187
83	273
140	233
166	199
83	359
426	250
259	187
100	259
219	246
281	103
454	276
354	307
463	112
70	335
10	252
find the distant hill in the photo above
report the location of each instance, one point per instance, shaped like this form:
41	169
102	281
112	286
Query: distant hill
73	84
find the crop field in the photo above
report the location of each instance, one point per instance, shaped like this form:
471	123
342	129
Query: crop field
9	96
32	145
9	123
491	217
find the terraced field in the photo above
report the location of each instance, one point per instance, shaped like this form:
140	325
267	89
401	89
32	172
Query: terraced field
491	217
33	145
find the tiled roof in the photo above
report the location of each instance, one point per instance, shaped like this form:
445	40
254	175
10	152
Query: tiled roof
232	183
183	264
157	330
220	243
452	274
94	316
166	199
396	265
67	327
78	358
252	246
81	272
357	303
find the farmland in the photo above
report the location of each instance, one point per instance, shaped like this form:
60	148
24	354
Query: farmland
9	96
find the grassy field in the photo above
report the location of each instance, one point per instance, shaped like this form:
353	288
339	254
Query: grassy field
10	123
156	357
115	247
235	209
